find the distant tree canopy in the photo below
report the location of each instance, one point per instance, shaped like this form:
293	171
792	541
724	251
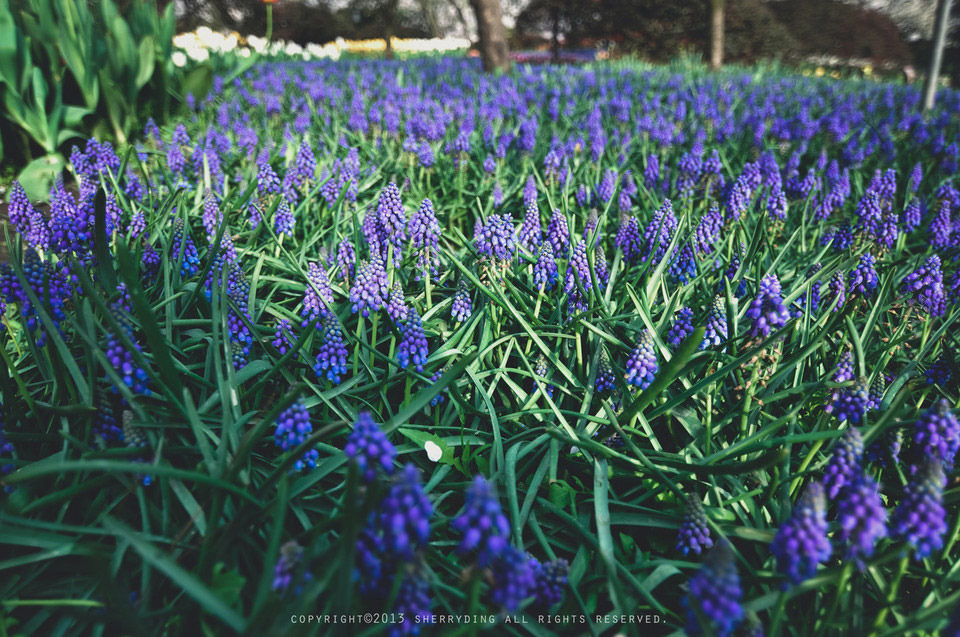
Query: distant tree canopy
659	29
304	22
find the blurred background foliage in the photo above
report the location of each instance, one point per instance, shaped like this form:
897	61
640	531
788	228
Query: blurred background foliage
69	70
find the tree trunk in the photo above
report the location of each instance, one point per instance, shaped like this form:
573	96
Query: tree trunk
389	17
493	37
940	29
716	34
555	9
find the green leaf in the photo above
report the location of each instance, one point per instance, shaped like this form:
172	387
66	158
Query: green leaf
198	82
38	176
147	60
210	601
227	584
420	438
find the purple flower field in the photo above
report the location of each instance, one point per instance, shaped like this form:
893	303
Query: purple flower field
410	340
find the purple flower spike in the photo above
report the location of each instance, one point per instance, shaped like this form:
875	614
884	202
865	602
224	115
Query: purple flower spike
694	536
682	326
844	465
369	291
293	429
424	230
863	279
925	285
558	234
413	342
642	364
713	600
462	306
937	434
405	514
369	447
920	519
485	528
531	233
514	579
801	544
862	518
331	362
767	310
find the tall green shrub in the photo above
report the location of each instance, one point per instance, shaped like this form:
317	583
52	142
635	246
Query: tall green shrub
69	70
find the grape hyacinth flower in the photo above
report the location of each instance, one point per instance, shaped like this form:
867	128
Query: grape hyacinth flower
550	581
529	191
912	215
863	279
844	465
767	310
514	579
844	370
462	306
716	332
293	429
183	241
684	266
318	295
694	536
920	519
925	285
838	291
413	342
6	452
137	225
713	600
708	230
578	270
885	450
558	234
120	356
862	518
658	233
281	337
413	604
20	210
268	183
939	372
801	542
331	361
497	195
682	326
393	219
601	269
370	289
545	271
283	220
405	515
605	380
495	237
541	369
875	396
212	216
346	260
937	434
530	235
424	231
291	555
485	528
369	447
135	438
628	238
396	307
642	364
850	404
